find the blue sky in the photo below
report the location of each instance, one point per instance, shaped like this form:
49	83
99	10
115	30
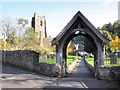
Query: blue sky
58	14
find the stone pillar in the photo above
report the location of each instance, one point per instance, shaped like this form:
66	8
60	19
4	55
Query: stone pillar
104	51
100	58
58	55
101	55
60	59
96	66
64	68
1	56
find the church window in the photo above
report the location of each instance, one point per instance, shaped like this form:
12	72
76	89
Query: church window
41	23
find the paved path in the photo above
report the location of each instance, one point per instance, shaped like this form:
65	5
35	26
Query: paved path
81	71
14	77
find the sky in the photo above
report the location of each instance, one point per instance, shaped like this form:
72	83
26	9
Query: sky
58	14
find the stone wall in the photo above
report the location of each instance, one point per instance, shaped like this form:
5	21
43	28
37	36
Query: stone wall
110	73
30	60
46	69
107	72
24	58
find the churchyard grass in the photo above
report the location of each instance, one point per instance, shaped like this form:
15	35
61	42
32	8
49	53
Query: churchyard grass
70	59
106	62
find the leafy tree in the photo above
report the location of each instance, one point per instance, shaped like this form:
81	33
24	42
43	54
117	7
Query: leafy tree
8	46
32	36
115	44
107	34
11	39
53	49
105	27
29	41
110	31
69	48
114	29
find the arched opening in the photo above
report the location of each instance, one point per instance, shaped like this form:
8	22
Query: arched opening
83	39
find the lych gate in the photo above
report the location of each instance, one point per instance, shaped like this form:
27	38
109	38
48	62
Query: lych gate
83	27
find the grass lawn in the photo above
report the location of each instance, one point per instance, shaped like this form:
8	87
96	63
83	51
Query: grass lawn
70	59
71	56
90	61
106	62
50	61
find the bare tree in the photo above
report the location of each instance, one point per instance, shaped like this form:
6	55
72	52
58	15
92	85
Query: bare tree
7	29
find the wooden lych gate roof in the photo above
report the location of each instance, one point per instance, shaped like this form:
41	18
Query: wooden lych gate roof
80	16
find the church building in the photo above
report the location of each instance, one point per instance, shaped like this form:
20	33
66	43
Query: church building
39	25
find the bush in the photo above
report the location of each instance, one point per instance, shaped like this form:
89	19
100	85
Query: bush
44	51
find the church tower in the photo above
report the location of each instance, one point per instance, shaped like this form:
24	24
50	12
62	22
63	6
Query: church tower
39	25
